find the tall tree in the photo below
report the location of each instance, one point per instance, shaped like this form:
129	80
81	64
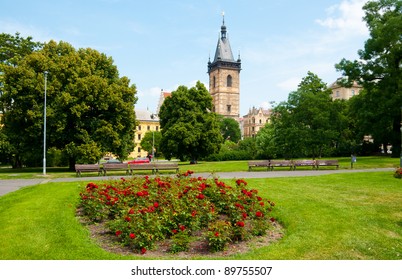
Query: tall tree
90	109
189	127
379	70
304	124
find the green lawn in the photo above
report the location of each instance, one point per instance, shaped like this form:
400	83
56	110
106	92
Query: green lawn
340	216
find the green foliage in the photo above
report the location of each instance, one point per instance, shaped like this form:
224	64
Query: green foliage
308	124
379	70
89	108
152	138
143	211
230	129
189	128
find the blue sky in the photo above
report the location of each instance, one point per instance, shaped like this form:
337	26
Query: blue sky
163	44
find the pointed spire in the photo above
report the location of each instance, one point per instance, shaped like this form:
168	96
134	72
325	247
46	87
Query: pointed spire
223	27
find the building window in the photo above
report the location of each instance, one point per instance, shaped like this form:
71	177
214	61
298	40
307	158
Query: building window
214	82
229	108
337	93
139	136
157	128
148	128
139	149
229	81
260	121
353	92
139	127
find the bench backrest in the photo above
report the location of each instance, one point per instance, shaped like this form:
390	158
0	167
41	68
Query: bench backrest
114	166
142	166
87	167
304	162
280	162
327	162
258	163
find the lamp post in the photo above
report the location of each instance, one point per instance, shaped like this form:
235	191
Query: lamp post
44	128
153	146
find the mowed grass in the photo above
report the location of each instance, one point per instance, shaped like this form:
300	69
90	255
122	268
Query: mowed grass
340	216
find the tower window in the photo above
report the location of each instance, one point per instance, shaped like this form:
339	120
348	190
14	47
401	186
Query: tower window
214	82
229	108
229	81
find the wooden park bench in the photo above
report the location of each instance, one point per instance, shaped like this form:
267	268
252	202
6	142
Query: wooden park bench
304	162
141	166
115	167
264	163
327	162
280	163
166	166
79	168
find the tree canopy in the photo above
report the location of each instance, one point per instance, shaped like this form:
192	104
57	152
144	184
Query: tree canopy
189	127
379	70
90	109
306	125
230	129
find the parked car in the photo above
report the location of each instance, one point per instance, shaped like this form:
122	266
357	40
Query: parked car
139	161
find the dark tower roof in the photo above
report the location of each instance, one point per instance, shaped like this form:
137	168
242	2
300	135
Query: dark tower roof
223	53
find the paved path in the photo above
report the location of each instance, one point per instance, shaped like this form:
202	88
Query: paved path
7	186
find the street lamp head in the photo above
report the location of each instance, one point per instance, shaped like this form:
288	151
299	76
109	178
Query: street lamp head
46	72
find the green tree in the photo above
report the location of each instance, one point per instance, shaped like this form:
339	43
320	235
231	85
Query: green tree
265	141
230	129
90	109
379	71
189	127
152	139
303	126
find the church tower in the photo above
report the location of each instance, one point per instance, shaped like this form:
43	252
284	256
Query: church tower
224	78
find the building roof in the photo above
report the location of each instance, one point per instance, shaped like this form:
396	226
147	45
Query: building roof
145	115
223	53
223	49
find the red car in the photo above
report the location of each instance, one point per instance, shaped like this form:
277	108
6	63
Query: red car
139	161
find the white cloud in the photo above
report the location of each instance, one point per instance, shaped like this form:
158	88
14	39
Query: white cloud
290	84
346	18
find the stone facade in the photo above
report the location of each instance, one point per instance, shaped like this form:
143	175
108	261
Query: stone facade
224	79
254	121
341	92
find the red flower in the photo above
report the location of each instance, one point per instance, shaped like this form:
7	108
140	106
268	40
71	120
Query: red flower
240	224
244	214
118	232
143	250
200	196
259	214
174	231
131	211
182	228
216	234
262	203
272	220
156	204
193	213
132	235
259	198
127	219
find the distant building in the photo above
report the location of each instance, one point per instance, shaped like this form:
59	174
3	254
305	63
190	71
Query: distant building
224	79
146	121
163	96
341	92
254	121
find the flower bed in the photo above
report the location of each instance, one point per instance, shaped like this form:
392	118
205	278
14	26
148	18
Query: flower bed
143	211
398	173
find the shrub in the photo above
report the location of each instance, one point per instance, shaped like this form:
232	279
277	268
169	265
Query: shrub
398	173
142	211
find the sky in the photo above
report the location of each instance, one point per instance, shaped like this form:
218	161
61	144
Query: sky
160	45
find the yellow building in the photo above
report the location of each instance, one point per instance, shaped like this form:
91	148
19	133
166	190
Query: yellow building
147	121
254	121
